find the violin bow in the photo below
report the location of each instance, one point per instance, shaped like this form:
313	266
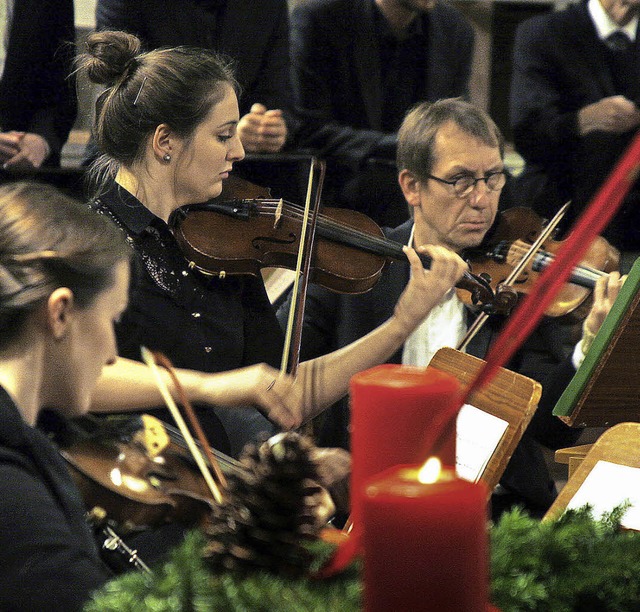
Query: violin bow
293	334
153	360
517	270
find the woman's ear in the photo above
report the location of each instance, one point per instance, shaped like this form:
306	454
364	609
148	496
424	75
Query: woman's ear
410	186
59	312
161	142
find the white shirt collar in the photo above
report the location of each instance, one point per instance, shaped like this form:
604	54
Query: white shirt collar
605	25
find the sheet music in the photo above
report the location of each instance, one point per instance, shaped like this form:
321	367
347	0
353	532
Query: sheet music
609	485
477	437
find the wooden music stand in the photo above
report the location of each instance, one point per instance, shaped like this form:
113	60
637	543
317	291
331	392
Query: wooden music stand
619	444
606	388
509	396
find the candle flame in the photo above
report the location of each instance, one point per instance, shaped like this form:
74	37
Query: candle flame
430	471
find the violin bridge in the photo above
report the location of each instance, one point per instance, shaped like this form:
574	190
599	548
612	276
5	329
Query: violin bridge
278	214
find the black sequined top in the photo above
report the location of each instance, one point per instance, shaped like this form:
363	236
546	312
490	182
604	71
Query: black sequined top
199	322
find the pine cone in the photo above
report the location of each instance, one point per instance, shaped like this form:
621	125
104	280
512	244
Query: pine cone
267	515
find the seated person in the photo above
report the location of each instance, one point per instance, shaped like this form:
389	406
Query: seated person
37	88
168	124
357	67
64	277
451	171
257	40
575	108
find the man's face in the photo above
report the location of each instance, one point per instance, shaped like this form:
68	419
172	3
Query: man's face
621	11
441	217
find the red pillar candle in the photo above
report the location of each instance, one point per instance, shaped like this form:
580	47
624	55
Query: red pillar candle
392	407
425	545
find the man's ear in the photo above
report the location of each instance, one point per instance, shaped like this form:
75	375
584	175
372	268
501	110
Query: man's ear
59	311
410	186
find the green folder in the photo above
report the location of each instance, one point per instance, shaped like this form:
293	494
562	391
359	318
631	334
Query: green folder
601	350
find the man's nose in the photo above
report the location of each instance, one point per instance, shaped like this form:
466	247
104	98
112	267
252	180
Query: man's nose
480	195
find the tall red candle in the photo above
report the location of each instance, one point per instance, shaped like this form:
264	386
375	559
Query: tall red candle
425	545
392	406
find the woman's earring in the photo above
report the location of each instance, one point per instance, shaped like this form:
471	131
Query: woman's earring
167	157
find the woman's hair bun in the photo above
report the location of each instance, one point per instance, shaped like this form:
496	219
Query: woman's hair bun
109	55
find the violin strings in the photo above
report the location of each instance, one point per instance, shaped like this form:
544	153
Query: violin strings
295	213
379	245
590	273
229	463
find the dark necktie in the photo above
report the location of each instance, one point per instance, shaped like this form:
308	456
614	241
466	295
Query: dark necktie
618	41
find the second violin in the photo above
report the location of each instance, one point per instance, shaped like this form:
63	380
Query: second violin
515	230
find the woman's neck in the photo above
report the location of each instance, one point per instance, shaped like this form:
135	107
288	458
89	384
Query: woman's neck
20	375
153	193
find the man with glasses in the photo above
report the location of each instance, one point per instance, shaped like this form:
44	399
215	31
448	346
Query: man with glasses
451	172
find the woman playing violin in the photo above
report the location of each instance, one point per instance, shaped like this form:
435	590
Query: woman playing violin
167	128
64	276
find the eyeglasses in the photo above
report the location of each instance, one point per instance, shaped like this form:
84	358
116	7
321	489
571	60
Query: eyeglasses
464	185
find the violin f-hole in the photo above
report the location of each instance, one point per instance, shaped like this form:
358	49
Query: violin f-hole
259	242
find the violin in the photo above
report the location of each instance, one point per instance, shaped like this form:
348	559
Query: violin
244	230
516	229
141	474
142	479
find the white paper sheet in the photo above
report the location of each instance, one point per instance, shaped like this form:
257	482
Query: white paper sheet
478	435
609	485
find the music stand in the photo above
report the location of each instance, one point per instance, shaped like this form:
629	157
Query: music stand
606	388
509	396
620	444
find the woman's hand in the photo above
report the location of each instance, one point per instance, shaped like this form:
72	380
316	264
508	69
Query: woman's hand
426	288
276	395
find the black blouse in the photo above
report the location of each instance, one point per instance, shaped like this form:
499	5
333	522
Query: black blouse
199	322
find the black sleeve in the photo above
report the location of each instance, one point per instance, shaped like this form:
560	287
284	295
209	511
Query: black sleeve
543	127
547	358
321	320
313	55
44	567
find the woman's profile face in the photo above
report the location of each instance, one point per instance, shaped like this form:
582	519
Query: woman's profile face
205	160
91	345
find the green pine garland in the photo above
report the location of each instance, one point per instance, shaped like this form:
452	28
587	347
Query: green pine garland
571	564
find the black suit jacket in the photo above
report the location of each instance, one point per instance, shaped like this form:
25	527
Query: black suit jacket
334	320
337	78
253	33
559	67
37	91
